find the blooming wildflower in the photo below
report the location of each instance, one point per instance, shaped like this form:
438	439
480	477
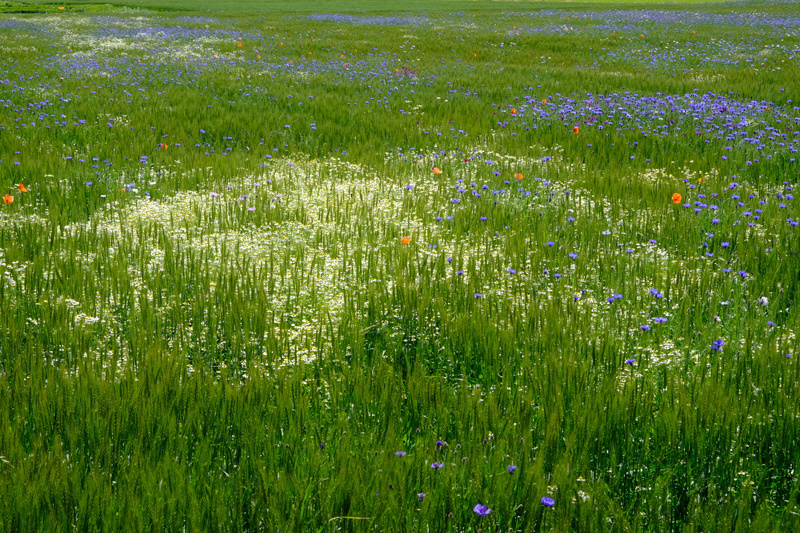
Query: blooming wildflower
644	327
512	271
575	130
436	171
717	345
421	496
481	510
400	454
405	240
676	198
573	255
511	469
660	320
630	361
22	188
437	466
547	501
8	199
478	295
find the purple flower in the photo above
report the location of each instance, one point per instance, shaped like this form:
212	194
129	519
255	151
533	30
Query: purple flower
630	361
512	271
421	496
400	454
548	501
717	345
659	320
439	443
437	466
644	327
478	295
511	469
481	510
573	255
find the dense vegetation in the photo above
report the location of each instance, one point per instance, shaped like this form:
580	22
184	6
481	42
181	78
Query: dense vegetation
369	270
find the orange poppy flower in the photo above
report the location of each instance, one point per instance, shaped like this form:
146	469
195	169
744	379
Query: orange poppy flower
575	129
518	176
436	171
22	188
8	199
544	101
240	45
676	198
405	240
163	145
513	111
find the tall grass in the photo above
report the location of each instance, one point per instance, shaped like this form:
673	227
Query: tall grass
195	336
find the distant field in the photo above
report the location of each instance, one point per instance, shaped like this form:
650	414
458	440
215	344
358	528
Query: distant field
382	5
468	267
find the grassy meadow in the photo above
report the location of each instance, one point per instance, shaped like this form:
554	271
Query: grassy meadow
461	266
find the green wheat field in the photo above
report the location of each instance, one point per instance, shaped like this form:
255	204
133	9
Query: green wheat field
443	266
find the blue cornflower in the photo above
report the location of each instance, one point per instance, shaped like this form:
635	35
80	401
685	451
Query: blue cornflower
481	510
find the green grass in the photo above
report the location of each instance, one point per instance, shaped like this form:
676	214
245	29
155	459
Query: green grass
192	341
374	5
